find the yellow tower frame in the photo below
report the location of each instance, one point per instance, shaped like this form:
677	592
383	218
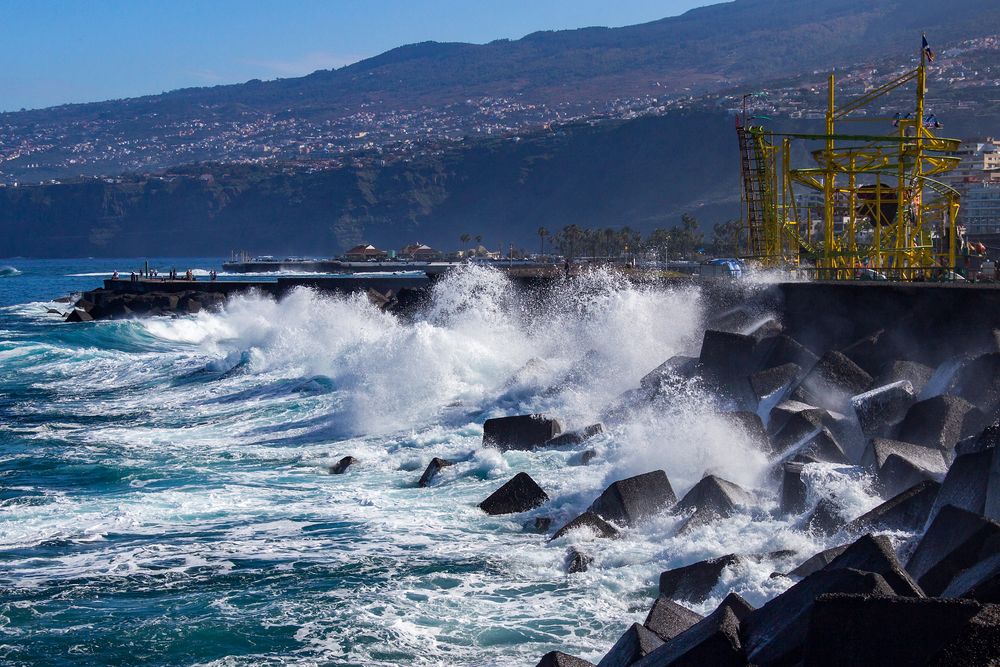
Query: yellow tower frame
867	178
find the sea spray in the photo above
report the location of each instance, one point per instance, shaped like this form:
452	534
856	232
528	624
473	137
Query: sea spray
166	490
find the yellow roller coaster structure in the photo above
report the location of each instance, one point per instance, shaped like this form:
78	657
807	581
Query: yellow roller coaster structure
884	211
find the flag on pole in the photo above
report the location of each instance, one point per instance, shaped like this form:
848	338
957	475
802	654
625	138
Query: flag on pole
927	49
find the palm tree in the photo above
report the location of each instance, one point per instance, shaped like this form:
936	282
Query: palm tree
542	233
479	242
464	238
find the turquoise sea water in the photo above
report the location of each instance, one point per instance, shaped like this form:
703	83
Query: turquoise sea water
165	500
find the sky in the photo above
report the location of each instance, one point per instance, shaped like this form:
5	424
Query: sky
59	51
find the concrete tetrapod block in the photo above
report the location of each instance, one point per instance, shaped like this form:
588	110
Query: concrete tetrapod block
980	582
431	471
631	500
833	380
775	634
668	619
869	630
520	431
823	447
714	640
588	521
784	411
917	374
881	408
560	659
770	386
874	553
940	422
956	540
872	352
793	489
906	511
787	350
635	644
966	483
798	429
978	381
751	424
899	465
519	494
817	562
727	356
577	437
712	497
695	582
578	561
825	518
675	368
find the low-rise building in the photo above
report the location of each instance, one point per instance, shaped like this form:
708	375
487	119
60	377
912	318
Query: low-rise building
364	253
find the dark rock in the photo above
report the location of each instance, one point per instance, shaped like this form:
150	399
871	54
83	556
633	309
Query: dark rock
917	374
628	501
587	456
907	511
560	659
540	524
781	413
53	311
751	424
900	465
978	382
956	540
695	582
674	368
635	644
793	489
866	630
577	437
833	380
871	553
817	562
883	407
62	299
590	521
713	641
433	468
940	422
966	484
530	373
667	619
979	582
712	497
84	305
520	494
770	385
727	356
775	634
577	561
341	466
520	431
787	350
825	519
77	315
799	428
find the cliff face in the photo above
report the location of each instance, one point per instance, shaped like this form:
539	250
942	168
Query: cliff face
643	173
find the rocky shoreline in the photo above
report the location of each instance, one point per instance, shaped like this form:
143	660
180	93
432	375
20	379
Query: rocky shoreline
920	414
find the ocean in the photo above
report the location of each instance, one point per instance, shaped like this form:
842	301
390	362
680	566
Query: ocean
165	496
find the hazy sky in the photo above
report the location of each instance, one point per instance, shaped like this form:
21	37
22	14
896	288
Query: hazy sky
57	51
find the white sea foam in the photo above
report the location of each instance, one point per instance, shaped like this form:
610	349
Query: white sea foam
218	430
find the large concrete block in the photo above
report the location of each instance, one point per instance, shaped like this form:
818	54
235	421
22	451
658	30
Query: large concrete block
979	582
560	659
714	495
635	644
787	350
874	553
775	634
668	619
715	640
694	582
433	468
577	437
978	381
818	561
907	511
833	380
675	369
940	422
591	522
956	540
966	484
519	431
770	386
631	500
793	489
883	407
899	465
868	630
917	374
751	424
520	494
873	352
